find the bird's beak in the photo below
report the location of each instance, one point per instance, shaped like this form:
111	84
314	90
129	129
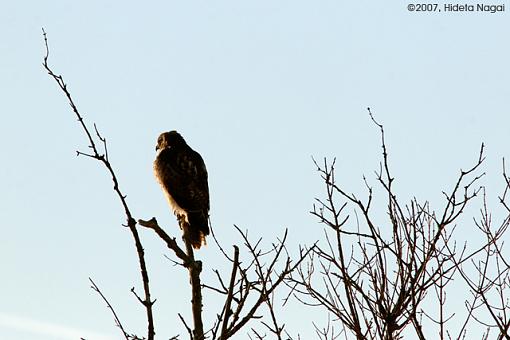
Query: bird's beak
157	147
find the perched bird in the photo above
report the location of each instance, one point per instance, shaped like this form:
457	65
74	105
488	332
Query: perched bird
183	177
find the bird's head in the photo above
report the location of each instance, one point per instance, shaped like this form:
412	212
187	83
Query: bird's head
169	139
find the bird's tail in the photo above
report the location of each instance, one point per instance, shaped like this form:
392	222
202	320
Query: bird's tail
198	228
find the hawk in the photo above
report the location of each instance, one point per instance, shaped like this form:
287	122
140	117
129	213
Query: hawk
183	177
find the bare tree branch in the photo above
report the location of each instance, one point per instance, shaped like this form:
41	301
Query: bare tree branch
117	320
103	158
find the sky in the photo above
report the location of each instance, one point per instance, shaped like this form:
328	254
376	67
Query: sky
258	88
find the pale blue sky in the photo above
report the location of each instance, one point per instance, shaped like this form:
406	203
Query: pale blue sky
257	87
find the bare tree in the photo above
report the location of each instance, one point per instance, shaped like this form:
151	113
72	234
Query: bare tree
373	276
252	281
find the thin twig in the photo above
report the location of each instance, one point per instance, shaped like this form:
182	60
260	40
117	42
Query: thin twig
117	320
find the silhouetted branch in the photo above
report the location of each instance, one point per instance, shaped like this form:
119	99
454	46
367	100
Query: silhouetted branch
490	287
250	286
117	320
227	312
103	158
170	241
190	332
